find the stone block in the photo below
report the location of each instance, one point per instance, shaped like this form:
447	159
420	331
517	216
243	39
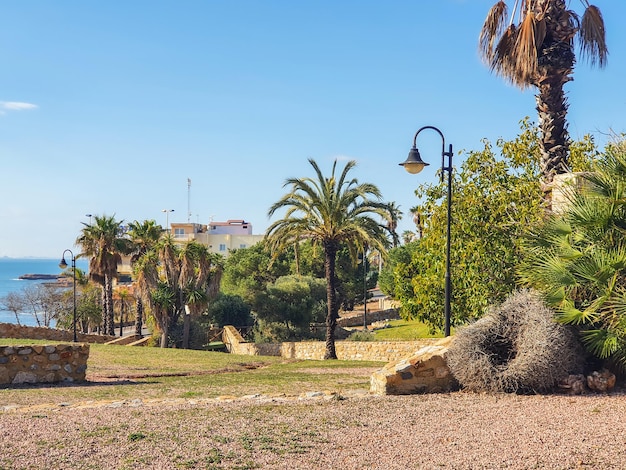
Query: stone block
424	372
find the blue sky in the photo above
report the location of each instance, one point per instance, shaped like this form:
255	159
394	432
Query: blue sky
108	107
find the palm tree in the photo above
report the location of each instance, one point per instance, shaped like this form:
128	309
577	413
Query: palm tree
177	282
393	216
537	49
332	212
144	236
104	243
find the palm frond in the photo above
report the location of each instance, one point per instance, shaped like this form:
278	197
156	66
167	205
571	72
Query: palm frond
592	37
492	29
602	343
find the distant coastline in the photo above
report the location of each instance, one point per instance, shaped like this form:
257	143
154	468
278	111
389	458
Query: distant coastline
38	277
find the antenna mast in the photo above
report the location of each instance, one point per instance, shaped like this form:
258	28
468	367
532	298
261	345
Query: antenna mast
188	200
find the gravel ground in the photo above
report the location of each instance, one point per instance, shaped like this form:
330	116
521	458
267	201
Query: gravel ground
321	431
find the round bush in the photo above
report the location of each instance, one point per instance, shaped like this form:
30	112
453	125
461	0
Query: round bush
517	348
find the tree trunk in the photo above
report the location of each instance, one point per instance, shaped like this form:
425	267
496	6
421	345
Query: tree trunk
186	327
139	319
105	317
556	61
330	257
108	283
164	334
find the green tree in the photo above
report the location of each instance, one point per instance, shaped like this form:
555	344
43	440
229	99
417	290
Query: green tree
578	258
177	282
229	310
248	271
103	242
293	302
495	198
538	50
144	237
330	211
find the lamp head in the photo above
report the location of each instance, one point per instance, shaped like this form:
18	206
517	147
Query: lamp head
414	163
63	264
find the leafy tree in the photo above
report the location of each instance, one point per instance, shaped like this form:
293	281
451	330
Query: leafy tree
247	272
538	50
293	302
103	242
330	211
229	310
578	258
144	237
496	198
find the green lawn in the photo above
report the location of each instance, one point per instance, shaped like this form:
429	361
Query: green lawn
403	330
125	373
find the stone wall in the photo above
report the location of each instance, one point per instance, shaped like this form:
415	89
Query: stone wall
384	351
10	330
357	320
43	364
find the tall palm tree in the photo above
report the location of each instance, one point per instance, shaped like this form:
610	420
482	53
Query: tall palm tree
144	237
394	215
333	212
536	48
104	244
198	282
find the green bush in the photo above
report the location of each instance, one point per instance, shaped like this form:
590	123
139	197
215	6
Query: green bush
362	336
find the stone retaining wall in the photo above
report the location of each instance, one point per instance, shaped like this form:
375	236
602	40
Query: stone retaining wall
43	364
384	351
11	330
357	320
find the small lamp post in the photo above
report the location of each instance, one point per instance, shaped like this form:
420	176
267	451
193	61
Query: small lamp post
414	164
63	265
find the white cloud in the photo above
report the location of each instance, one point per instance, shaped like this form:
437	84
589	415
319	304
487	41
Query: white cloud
16	106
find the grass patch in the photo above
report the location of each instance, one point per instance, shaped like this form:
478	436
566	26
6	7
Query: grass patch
403	330
118	373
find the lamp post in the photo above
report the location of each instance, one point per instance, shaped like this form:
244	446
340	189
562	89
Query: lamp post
167	218
90	216
63	265
364	289
414	164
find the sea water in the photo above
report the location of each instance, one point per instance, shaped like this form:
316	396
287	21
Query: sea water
12	268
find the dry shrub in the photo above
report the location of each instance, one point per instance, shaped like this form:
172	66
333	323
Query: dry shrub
516	348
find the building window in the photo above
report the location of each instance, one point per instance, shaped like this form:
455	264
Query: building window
222	247
243	245
179	232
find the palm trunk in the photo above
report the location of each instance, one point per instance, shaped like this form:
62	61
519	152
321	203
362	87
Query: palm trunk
556	61
330	257
186	328
105	317
139	319
108	283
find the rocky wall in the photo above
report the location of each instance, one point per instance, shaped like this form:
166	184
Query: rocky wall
43	363
380	315
384	351
11	330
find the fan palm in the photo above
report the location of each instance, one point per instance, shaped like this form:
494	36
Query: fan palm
332	212
536	48
144	236
104	244
578	259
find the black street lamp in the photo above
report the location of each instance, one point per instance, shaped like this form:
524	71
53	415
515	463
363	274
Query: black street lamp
414	165
63	265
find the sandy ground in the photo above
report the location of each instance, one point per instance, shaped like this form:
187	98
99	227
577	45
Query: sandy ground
316	431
